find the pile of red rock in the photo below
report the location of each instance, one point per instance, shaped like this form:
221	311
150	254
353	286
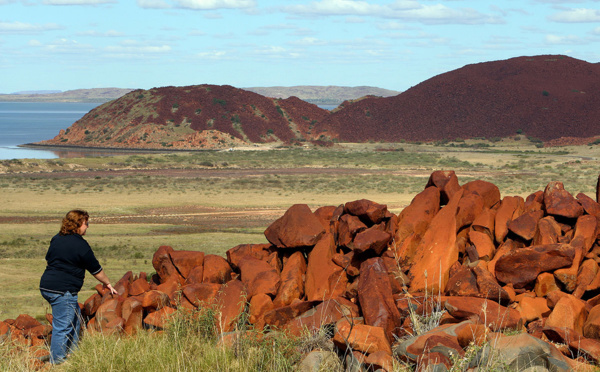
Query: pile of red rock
477	263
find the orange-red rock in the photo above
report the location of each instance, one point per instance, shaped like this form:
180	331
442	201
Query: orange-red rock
510	209
487	190
292	280
327	312
544	284
216	269
470	206
260	304
324	279
231	301
348	227
525	225
521	267
368	211
437	251
201	294
446	182
108	311
548	231
413	221
559	202
264	252
297	228
569	312
371	240
591	327
361	337
161	261
259	277
185	261
375	297
159	318
483	244
589	204
484	311
533	308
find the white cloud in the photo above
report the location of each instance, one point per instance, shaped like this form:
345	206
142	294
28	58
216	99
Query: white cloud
109	33
336	7
577	15
405	10
34	43
214	55
27	28
566	39
78	2
67	46
596	31
153	4
215	4
136	48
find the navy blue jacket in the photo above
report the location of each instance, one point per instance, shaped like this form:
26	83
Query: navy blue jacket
68	257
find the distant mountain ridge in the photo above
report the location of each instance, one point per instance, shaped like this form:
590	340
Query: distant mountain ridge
319	95
323	95
78	95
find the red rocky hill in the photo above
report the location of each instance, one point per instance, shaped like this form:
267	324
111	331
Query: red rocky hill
200	116
547	97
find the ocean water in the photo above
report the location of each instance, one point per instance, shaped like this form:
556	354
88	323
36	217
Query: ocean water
26	122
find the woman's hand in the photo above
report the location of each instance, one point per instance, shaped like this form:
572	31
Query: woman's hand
111	289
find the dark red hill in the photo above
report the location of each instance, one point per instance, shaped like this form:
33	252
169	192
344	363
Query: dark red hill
195	117
546	97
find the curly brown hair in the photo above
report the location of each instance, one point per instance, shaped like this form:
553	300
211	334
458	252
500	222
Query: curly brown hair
73	221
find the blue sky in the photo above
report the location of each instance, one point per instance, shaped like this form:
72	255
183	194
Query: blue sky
72	44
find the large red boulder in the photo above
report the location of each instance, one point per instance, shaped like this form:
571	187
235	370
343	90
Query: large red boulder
487	190
446	182
559	202
292	280
437	251
510	208
371	240
264	252
522	266
298	227
185	261
368	211
348	227
216	269
162	263
484	311
413	221
324	279
230	301
259	277
375	297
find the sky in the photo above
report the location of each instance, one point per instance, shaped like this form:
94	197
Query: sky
82	44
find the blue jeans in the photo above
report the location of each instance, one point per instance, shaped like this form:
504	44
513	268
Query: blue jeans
66	322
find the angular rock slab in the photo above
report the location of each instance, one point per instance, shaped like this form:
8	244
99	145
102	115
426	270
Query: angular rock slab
298	227
521	352
437	251
522	266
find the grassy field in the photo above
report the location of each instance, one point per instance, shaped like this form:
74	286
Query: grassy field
212	201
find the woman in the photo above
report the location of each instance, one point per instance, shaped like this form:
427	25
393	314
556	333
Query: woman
68	257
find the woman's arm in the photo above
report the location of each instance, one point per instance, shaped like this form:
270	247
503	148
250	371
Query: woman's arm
103	278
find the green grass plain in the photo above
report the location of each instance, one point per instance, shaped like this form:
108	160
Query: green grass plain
140	202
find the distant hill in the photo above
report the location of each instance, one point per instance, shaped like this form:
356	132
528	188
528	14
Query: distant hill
195	117
548	97
552	98
323	95
78	95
